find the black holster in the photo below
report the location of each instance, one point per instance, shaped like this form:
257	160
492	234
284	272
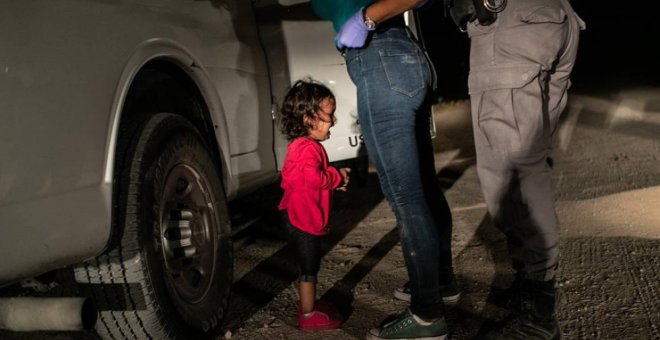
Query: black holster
464	11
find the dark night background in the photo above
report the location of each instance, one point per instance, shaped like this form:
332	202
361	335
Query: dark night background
620	47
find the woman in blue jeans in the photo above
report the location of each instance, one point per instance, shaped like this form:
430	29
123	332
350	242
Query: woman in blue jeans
393	79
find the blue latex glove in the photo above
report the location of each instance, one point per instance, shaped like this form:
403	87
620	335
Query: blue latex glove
353	33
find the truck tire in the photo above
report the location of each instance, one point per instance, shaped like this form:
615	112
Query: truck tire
168	272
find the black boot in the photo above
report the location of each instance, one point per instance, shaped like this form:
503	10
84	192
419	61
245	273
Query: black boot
509	298
533	314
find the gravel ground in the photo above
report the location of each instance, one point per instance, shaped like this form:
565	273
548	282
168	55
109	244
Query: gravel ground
607	175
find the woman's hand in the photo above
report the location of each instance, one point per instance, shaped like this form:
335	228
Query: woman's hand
353	33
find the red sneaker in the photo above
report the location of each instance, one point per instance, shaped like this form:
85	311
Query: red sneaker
317	321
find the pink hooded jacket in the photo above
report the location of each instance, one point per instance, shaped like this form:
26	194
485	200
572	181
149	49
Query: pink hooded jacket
308	184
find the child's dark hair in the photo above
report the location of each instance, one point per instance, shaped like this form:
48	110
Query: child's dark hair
301	106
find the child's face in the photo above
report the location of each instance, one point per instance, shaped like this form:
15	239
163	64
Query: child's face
320	129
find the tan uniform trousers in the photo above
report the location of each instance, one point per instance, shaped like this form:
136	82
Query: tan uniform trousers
519	75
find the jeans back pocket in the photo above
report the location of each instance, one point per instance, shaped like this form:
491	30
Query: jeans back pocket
404	70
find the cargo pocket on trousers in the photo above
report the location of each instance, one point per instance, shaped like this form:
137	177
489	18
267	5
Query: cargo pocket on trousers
541	14
496	116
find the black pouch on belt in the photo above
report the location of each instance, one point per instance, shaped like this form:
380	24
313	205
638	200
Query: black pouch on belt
464	11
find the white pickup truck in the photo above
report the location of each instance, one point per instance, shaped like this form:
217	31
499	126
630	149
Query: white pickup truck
126	127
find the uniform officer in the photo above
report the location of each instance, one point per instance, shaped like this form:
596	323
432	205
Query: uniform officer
521	56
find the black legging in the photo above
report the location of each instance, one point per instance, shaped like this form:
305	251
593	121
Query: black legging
308	250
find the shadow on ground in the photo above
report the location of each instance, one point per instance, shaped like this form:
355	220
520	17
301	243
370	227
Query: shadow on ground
274	274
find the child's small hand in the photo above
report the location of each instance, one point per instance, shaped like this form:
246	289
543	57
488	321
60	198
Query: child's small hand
344	174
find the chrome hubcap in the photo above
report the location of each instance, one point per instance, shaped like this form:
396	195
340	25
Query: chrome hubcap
187	233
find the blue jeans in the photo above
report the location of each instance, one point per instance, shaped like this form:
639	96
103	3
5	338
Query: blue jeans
393	77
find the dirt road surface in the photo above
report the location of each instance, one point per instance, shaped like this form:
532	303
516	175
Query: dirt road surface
607	176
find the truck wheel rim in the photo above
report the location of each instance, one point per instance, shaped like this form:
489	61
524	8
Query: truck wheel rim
187	233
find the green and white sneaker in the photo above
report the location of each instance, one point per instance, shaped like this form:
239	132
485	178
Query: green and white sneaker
408	326
451	293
